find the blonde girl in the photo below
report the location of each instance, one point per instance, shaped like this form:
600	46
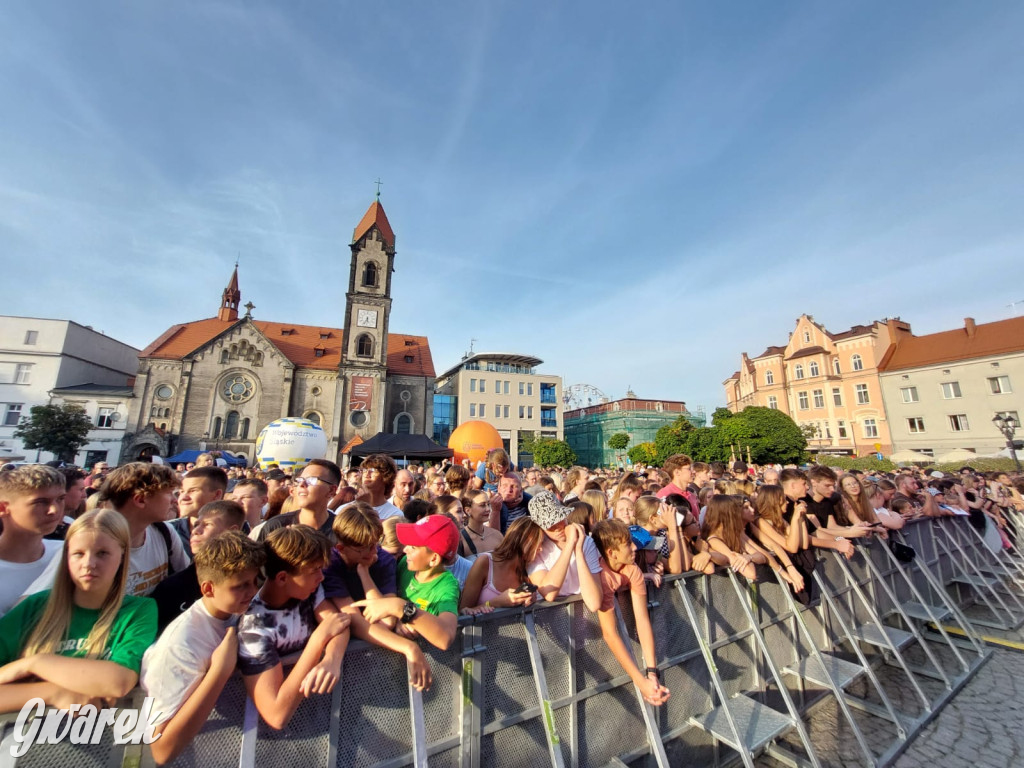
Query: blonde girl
659	519
83	639
598	501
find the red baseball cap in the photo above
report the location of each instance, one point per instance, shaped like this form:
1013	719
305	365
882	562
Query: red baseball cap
435	532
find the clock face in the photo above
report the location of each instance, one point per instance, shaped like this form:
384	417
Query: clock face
366	318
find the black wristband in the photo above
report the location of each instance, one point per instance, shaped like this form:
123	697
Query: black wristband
649	670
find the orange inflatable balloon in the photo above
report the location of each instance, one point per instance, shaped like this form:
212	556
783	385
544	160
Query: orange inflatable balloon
472	440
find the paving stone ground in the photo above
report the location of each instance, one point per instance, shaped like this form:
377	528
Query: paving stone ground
982	727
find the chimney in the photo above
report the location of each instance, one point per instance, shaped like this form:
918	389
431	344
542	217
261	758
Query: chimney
970	327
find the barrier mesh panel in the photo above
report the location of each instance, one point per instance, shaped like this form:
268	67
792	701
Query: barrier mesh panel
449	758
441	704
220	741
102	755
304	741
553	627
508	682
520	745
724	611
671	626
594	662
609	725
374	723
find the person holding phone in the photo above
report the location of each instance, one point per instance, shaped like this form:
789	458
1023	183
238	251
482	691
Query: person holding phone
499	579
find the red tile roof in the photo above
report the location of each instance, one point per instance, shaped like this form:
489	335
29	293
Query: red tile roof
375	216
296	342
771	351
807	352
998	338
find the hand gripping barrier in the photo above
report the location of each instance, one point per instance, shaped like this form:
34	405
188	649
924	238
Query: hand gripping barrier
750	671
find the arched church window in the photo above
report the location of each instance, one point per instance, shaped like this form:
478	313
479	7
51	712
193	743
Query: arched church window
403	424
245	429
231	425
216	427
364	346
370	274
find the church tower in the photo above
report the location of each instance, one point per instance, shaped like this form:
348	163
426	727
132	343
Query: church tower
364	354
230	299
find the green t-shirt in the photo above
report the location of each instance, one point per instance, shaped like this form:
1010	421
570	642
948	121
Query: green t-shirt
133	631
437	596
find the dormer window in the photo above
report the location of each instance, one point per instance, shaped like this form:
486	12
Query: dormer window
409	358
318	351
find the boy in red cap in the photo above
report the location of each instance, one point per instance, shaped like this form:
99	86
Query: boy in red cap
428	601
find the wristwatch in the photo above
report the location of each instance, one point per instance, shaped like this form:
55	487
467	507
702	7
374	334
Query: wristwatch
408	612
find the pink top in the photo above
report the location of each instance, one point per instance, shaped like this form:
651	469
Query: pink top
487	591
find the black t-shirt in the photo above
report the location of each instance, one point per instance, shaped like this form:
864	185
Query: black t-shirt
174	595
822	509
292	518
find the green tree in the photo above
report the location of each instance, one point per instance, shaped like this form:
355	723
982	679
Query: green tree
551	453
527	441
643	453
720	416
773	437
672	438
618	441
58	429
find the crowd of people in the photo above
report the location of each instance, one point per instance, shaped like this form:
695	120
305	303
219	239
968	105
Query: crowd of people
173	578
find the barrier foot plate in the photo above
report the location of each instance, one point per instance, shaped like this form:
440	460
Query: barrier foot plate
975	581
872	635
757	724
841	673
920	612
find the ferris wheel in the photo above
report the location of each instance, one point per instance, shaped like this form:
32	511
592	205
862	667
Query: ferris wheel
581	396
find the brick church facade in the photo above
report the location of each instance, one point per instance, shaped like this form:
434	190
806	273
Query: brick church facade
213	384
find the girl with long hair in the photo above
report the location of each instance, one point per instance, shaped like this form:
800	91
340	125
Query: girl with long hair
83	639
856	504
495	578
598	501
724	530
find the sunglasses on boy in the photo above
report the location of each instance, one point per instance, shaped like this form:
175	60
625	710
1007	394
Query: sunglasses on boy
312	482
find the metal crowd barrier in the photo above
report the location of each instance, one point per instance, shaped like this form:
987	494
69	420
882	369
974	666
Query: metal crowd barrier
748	668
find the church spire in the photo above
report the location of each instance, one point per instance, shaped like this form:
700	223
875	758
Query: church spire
230	299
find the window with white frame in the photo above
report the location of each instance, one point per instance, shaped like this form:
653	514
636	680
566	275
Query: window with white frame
529	390
802	401
522	386
497	411
522	411
958	422
858	363
909	394
497	386
915	425
12	414
1000	385
813	367
105	418
835	366
837	396
472	410
773	402
769	377
951	390
862	394
798	371
529	412
819	398
23	373
472	385
807	337
870	428
506	411
841	428
507	385
483	385
31	337
828	430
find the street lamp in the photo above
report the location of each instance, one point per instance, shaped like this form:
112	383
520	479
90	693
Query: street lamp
1007	424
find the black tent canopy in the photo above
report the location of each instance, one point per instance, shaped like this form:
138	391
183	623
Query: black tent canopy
402	447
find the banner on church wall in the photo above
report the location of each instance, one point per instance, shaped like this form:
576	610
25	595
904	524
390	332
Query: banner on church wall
362	394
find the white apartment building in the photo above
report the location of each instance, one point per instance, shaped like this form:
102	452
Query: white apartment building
506	391
942	390
44	361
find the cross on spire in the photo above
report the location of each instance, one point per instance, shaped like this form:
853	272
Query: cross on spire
379	183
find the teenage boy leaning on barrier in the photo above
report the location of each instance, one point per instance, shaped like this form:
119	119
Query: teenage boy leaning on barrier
428	601
619	572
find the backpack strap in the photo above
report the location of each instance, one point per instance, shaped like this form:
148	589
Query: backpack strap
165	534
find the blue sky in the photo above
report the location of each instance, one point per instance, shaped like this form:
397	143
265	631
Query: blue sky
634	192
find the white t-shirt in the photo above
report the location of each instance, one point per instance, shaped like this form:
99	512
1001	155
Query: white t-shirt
254	534
460	570
386	510
548	556
15	578
148	566
176	664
